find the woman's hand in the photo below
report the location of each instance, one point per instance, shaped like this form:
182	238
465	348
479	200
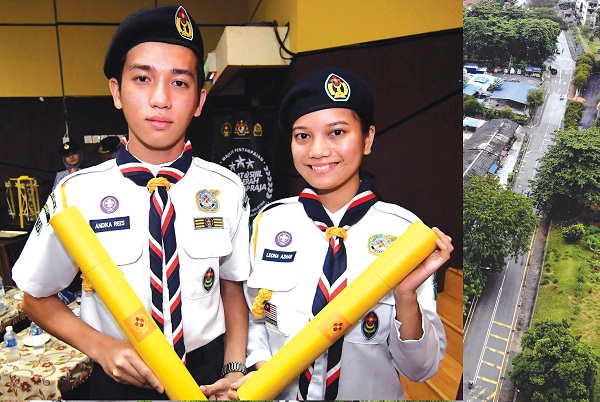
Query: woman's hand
431	264
405	294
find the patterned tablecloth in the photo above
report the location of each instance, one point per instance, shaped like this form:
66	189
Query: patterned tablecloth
12	312
42	376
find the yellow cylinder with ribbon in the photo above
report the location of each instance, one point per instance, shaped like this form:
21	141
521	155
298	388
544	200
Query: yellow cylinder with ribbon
335	319
95	263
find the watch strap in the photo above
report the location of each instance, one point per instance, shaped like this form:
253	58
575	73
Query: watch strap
233	366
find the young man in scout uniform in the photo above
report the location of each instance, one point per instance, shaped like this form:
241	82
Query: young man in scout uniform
176	226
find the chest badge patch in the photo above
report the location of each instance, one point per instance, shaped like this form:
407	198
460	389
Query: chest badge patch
209	279
109	204
208	223
207	201
283	239
271	313
379	242
370	325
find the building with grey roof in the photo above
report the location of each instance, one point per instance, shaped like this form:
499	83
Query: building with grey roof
484	152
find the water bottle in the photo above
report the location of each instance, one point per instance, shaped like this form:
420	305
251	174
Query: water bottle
11	347
37	338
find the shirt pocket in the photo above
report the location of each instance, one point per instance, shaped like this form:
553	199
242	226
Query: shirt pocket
199	272
126	251
374	327
287	310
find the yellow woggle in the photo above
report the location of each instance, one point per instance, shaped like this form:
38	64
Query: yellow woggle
121	301
349	306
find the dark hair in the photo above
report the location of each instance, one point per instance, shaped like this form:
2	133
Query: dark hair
364	125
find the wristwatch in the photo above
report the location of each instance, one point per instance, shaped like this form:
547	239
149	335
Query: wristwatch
233	366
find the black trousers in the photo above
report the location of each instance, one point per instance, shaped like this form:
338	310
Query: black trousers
204	364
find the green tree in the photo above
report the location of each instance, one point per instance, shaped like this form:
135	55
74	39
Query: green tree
471	107
573	233
573	114
568	175
543	4
581	77
587	59
548	13
593	243
505	112
474	279
496	84
535	99
535	39
554	365
495	33
497	223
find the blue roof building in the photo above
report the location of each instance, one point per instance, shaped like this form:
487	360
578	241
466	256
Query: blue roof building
513	91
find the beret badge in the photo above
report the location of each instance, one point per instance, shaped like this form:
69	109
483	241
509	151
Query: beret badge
183	24
337	88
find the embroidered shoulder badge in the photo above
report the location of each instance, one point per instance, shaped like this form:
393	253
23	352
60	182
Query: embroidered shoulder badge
379	242
209	279
183	24
337	88
207	200
370	324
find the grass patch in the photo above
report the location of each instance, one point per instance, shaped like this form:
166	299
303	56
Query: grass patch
570	289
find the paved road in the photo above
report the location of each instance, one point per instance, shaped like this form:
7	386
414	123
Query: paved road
503	313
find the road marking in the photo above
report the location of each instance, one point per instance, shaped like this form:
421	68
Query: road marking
502	324
493	365
495	350
499	337
488	380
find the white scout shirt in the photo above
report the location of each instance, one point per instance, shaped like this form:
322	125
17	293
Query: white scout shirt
287	254
212	242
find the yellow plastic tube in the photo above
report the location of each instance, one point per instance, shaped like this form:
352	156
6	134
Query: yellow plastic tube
377	280
121	301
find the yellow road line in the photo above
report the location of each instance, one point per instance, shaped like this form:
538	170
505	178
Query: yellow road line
488	380
496	350
499	337
492	365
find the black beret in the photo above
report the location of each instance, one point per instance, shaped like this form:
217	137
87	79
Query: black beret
167	24
108	145
325	89
69	147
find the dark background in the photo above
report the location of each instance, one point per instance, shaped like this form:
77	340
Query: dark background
417	155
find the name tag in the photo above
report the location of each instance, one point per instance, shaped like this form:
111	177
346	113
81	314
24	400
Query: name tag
278	256
105	225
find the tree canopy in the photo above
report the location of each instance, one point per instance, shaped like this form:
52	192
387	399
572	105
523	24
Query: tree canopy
554	365
471	107
497	223
535	99
497	34
568	175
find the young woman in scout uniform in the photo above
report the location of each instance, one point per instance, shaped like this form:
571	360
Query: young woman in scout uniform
306	249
